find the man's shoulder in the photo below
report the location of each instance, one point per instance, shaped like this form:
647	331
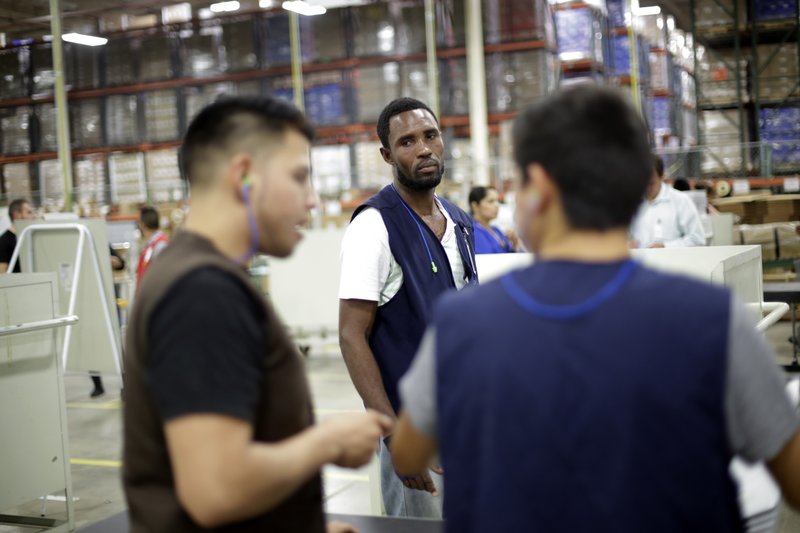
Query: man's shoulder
8	236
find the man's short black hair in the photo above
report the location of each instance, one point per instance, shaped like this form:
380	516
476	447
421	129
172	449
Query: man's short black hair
595	147
230	120
15	208
395	107
149	217
658	165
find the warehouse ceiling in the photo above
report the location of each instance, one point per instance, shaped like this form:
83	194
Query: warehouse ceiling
30	19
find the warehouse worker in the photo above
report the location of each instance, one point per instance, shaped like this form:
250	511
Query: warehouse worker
404	247
484	205
19	209
539	389
667	218
219	428
155	240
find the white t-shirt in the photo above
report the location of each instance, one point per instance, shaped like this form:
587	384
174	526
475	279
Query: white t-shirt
370	271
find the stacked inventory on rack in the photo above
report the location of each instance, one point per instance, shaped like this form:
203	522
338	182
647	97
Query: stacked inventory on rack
583	44
774	28
130	100
748	84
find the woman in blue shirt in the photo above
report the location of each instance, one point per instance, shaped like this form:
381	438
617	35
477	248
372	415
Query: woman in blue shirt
484	205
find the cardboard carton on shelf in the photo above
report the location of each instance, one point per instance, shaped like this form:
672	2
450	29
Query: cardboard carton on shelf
788	240
761	234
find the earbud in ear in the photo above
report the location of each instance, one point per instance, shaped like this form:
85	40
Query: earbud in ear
246	184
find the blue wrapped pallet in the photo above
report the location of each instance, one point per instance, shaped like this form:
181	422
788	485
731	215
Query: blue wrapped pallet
661	115
616	13
325	104
780	127
580	35
620	55
774	9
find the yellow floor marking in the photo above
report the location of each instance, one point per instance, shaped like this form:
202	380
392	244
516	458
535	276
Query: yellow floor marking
112	405
95	462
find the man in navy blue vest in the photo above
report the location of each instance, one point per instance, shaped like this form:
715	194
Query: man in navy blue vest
404	247
588	392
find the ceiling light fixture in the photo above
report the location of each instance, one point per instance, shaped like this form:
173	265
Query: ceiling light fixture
649	10
88	40
303	8
224	7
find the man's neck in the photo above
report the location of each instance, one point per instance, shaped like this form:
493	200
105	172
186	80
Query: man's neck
422	202
12	228
208	221
586	246
658	192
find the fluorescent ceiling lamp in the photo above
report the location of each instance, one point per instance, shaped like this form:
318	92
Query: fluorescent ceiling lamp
266	4
224	7
650	10
303	8
88	40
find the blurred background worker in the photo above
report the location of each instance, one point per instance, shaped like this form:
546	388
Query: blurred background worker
538	389
484	205
667	218
155	240
19	209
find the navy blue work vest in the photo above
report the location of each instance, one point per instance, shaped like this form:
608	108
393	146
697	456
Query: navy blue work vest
401	322
607	420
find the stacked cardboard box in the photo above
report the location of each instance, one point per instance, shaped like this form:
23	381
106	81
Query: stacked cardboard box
760	234
17	177
762	208
90	180
51	185
164	182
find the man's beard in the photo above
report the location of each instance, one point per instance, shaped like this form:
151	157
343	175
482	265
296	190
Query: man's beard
422	182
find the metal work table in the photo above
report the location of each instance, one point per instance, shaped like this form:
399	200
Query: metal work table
788	292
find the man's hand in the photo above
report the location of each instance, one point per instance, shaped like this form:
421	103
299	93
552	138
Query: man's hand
420	482
340	527
356	436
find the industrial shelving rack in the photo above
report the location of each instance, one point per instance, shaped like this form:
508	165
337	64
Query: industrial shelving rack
132	98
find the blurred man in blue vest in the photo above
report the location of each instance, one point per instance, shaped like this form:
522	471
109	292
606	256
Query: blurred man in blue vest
588	392
404	247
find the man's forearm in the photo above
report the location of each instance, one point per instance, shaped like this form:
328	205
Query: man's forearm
366	375
259	479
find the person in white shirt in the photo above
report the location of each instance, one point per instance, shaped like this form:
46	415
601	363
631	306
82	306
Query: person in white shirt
667	218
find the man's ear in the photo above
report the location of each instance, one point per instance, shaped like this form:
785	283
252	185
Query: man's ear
387	155
238	174
540	181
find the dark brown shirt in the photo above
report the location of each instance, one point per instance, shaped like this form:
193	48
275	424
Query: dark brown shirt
284	408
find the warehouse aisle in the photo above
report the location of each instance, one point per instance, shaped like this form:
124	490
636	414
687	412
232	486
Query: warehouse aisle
95	442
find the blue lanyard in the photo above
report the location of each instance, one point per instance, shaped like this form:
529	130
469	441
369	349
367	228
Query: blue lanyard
421	233
565	312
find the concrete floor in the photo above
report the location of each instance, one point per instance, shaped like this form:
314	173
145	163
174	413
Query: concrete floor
95	444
